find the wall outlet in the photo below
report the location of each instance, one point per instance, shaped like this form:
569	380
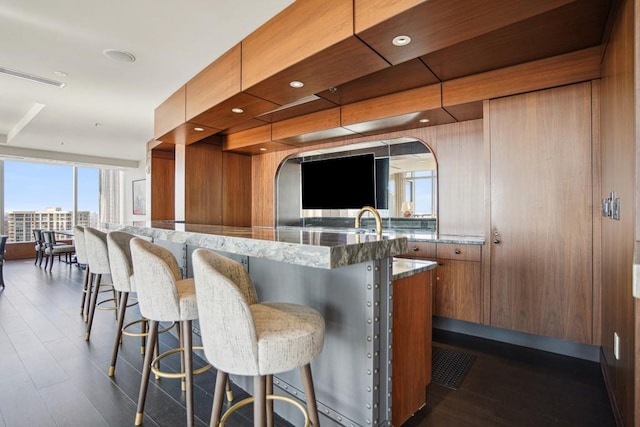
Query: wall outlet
616	346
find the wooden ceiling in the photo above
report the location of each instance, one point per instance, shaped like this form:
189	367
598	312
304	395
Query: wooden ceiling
450	39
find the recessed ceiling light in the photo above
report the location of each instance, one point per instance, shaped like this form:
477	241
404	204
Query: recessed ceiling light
60	73
401	40
119	55
424	120
199	129
296	84
263	149
237	110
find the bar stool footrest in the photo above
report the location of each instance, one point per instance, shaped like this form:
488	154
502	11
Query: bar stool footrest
175	375
250	399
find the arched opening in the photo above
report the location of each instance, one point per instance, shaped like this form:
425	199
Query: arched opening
402	176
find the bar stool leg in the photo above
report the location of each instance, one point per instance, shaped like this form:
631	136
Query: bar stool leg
85	290
143	335
259	401
309	391
188	368
269	403
94	302
222	381
146	370
124	296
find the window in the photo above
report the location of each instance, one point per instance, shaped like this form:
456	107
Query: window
420	189
40	195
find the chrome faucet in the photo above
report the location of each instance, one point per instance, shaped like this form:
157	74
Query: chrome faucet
375	214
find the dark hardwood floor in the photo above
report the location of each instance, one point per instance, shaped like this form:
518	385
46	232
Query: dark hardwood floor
50	376
510	385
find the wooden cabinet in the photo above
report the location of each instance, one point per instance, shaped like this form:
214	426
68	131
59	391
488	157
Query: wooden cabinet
411	344
458	281
542	213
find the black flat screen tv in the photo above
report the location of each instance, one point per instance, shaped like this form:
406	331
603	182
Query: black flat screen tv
339	183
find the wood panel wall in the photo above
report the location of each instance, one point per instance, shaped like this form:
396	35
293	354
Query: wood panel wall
461	144
236	190
618	173
203	183
162	185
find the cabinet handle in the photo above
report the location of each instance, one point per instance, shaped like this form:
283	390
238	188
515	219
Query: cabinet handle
415	249
457	252
441	263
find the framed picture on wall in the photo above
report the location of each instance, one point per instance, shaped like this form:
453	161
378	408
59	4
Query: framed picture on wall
139	199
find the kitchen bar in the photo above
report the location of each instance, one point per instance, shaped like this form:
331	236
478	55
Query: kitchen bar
346	276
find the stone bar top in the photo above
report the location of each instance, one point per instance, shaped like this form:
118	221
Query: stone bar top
403	267
310	248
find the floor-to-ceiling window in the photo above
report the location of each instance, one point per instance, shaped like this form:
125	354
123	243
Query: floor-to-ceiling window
46	196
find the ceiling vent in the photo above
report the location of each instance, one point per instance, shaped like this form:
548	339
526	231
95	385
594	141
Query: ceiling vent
31	77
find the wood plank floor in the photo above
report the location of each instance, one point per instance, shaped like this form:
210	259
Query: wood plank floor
50	376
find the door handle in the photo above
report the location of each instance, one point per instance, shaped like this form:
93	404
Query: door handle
496	241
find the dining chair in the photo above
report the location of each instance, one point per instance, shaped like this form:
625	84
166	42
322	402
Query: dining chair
3	251
39	245
53	248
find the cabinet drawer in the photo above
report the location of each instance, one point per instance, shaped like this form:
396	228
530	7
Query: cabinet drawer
422	250
456	251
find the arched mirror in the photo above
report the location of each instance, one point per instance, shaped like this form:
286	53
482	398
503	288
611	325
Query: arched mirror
326	188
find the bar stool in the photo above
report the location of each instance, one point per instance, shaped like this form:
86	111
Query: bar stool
243	337
81	258
164	297
98	262
121	265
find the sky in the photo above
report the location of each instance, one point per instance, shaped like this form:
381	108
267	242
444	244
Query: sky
37	186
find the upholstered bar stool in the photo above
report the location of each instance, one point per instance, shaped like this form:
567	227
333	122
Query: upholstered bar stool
121	264
98	262
163	296
243	337
81	258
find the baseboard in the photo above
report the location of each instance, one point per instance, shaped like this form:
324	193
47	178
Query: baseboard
606	374
538	342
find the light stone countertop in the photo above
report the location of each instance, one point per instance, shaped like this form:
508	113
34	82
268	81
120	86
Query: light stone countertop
404	267
311	248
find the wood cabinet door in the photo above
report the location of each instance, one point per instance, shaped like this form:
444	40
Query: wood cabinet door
541	212
457	293
411	344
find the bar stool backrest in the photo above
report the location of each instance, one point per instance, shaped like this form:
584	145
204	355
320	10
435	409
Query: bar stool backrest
97	251
156	272
118	243
81	247
225	293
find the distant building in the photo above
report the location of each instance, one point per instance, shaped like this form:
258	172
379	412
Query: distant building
20	224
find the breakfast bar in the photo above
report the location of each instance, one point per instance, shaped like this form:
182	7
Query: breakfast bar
349	278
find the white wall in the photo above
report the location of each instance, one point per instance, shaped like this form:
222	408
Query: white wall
126	193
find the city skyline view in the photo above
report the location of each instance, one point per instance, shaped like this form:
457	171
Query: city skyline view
38	186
